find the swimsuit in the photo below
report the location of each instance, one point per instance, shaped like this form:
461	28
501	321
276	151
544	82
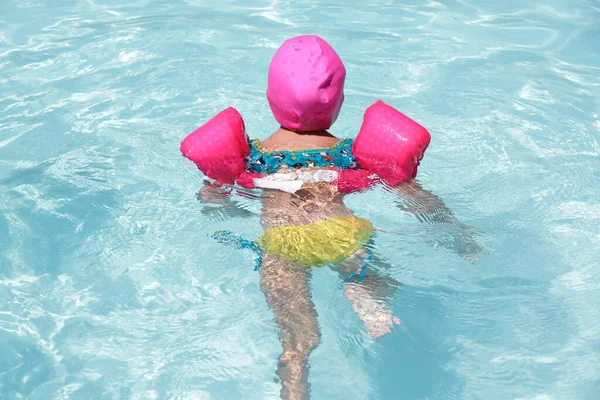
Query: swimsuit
310	245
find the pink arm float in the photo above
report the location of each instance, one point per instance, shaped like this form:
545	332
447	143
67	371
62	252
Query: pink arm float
389	145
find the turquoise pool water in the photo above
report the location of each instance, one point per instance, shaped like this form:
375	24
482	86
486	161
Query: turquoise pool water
111	289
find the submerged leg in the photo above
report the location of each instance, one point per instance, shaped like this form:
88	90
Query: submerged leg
369	292
286	289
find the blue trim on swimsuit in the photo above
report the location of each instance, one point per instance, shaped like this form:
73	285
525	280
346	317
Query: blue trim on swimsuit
229	238
338	155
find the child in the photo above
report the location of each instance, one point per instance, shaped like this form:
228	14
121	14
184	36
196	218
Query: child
305	220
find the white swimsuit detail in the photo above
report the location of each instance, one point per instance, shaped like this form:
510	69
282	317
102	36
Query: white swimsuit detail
292	182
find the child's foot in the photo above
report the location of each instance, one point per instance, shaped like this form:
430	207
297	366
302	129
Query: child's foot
374	315
380	324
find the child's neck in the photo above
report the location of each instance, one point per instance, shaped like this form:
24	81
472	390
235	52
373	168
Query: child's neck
283	132
285	138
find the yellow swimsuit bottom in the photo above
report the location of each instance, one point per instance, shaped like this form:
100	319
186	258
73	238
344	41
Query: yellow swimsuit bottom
317	244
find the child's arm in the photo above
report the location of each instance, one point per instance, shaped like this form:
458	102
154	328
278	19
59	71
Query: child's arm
423	204
430	209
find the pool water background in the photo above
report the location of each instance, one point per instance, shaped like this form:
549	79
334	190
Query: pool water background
110	286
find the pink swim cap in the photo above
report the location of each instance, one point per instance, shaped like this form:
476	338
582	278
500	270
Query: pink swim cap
306	84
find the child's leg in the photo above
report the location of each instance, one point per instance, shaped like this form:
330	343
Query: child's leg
369	292
286	288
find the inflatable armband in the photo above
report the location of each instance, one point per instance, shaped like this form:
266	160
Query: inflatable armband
390	144
219	147
353	180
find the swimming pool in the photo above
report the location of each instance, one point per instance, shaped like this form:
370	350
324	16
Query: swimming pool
101	296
